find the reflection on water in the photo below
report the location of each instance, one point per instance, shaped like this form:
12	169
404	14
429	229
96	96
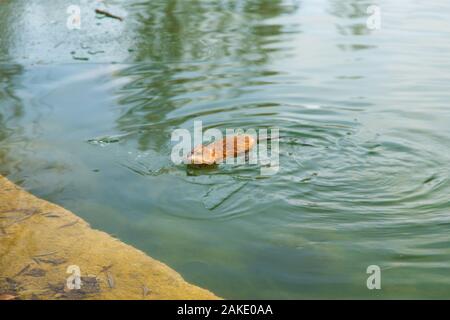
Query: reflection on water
11	107
363	117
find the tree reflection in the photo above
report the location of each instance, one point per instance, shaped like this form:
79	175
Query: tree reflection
196	52
354	12
11	109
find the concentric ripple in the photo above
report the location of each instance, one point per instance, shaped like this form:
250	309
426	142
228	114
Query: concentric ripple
364	130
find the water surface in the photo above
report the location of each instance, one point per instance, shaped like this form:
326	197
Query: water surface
363	115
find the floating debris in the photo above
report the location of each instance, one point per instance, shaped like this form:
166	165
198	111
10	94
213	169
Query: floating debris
105	140
75	57
58	44
7	297
430	179
107	14
80	58
95	52
308	179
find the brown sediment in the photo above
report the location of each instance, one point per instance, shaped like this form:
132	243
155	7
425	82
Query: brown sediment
35	252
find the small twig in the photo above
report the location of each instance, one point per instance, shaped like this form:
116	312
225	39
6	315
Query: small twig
68	224
110	279
28	214
22	219
106	268
51	215
145	290
106	13
53	262
45	254
24	269
25	210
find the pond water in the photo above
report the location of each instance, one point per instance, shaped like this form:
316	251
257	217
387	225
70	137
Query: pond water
86	118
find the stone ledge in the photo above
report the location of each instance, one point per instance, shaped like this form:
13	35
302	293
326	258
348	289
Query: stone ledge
40	240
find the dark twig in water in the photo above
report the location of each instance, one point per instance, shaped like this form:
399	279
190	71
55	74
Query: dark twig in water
269	138
21	219
106	13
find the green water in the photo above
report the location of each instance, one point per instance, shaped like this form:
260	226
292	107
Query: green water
363	114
